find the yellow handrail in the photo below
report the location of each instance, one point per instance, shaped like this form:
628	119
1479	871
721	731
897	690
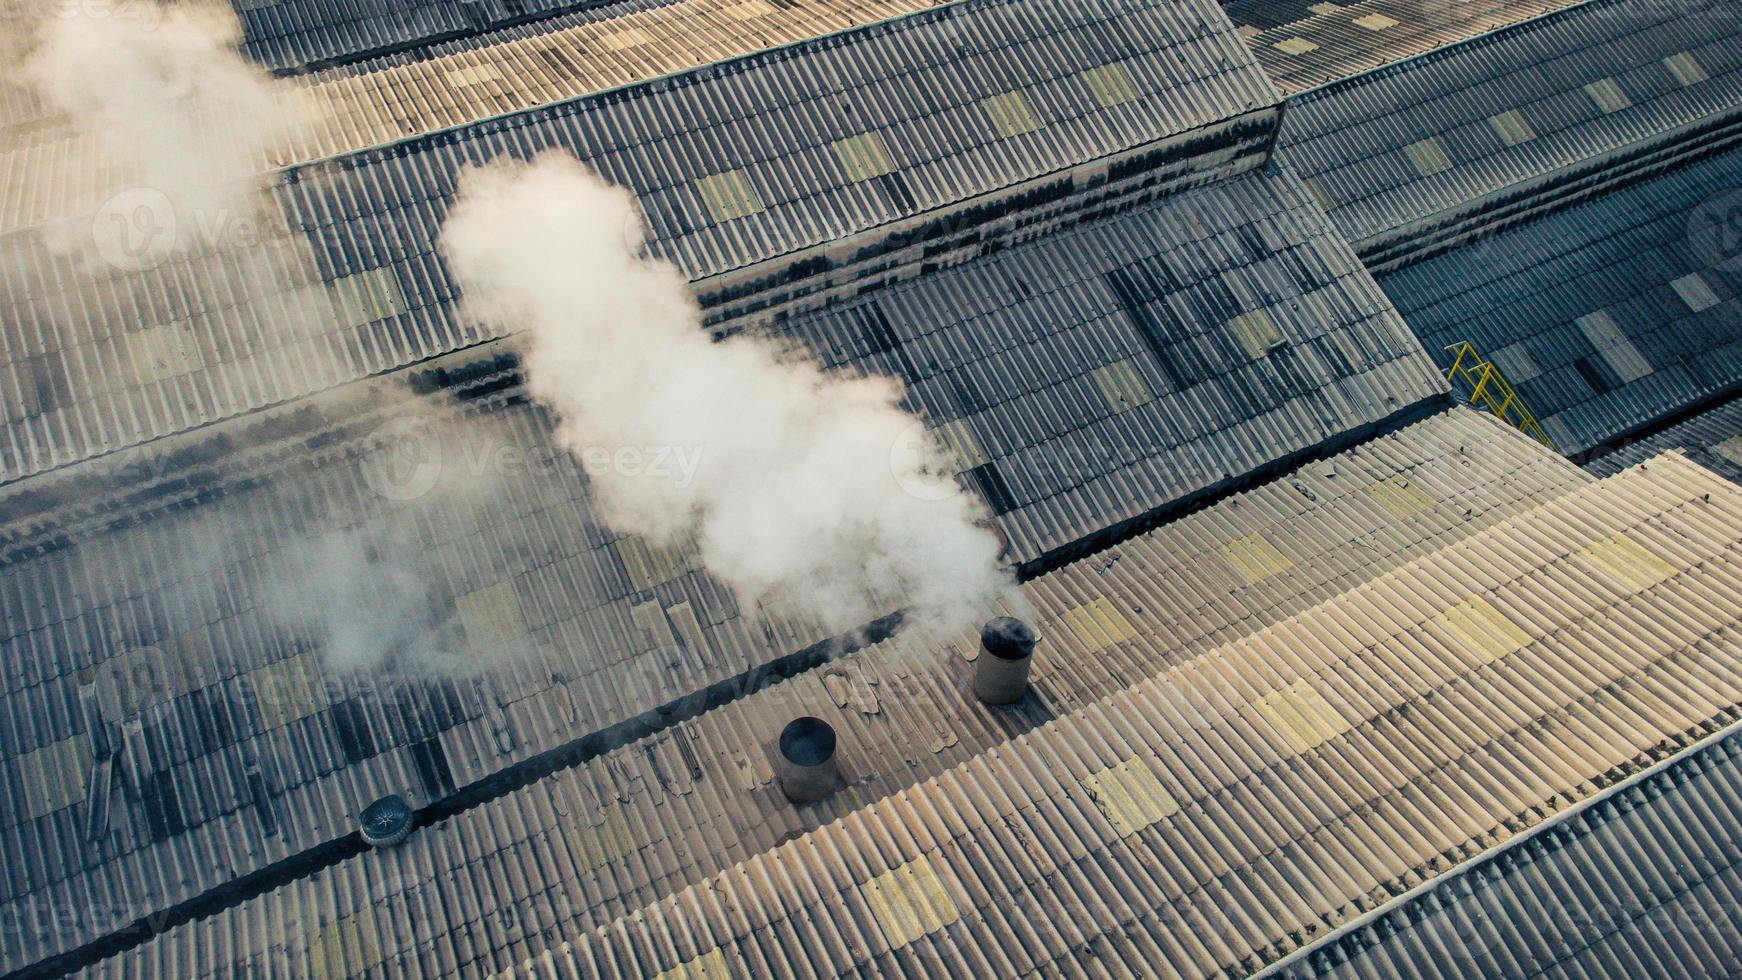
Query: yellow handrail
1489	389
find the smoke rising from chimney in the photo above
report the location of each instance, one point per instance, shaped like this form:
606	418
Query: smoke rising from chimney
798	501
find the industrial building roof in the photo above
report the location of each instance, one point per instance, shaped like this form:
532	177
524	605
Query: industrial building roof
1606	316
1712	438
1411	157
1180	347
178	706
491	886
1304	44
1231	809
1642	882
100	362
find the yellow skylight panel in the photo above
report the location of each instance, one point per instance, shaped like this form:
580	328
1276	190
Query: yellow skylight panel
863	157
165	351
729	195
1255	558
1256	331
1402	497
1376	22
1628	563
1110	84
1131	796
1011	114
1122	385
909	901
1686	68
286	691
596	843
1295	45
711	965
1302	715
1480	628
53	777
1512	127
1695	292
368	296
1428	157
491	616
1607	93
648	565
1099	624
350	947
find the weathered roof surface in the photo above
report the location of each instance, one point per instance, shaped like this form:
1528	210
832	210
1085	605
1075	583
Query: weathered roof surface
1712	438
937	84
1644	882
169	716
1232	808
493	885
1303	44
1079	393
1085	378
1414	156
1606	316
289	34
96	364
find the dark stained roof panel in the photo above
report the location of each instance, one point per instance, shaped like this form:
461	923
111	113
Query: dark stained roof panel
1416	155
1607	316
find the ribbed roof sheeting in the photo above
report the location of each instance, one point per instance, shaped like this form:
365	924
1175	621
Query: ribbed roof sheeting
1084	379
918	80
387	99
1303	44
1605	317
491	886
1712	438
1646	882
249	747
1228	810
1588	85
294	33
84	380
1090	377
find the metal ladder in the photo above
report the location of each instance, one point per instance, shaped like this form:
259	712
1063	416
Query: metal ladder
1489	389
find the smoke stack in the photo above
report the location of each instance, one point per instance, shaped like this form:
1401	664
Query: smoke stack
1006	650
386	821
807	760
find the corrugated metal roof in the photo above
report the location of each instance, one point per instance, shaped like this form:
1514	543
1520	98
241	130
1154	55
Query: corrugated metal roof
1083	380
489	887
1644	882
1606	316
1712	438
1417	154
92	367
183	642
1216	816
1304	44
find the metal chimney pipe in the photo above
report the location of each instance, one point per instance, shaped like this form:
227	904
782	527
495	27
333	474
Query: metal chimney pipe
1006	651
808	771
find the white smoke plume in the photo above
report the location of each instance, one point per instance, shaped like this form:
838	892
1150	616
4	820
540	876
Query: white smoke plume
156	103
804	497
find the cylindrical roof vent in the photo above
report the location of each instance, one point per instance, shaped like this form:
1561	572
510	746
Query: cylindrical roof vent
1006	651
807	760
386	821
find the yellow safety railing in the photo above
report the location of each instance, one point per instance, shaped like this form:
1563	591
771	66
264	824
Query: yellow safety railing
1488	388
